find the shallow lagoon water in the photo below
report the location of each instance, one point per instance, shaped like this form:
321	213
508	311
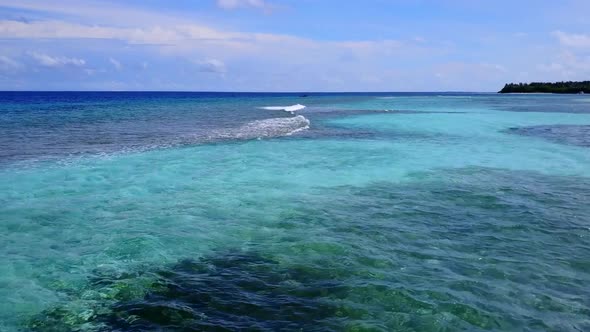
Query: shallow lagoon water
435	218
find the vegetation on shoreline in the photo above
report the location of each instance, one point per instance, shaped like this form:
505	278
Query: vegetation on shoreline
557	87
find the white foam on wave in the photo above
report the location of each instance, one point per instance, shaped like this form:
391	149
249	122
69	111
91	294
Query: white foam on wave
290	109
274	127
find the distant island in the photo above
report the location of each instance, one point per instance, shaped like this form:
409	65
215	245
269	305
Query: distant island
544	87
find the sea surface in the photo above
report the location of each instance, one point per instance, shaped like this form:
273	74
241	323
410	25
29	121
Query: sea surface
361	212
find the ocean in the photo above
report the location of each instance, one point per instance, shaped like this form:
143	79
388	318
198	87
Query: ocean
162	211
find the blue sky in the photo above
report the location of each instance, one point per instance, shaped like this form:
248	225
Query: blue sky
291	45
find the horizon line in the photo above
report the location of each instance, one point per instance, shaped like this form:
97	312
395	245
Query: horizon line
276	92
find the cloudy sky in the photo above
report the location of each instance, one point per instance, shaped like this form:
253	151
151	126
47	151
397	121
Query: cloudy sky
291	45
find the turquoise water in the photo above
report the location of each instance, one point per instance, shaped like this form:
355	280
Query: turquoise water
400	212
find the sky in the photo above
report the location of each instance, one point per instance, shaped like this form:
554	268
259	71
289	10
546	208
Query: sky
291	45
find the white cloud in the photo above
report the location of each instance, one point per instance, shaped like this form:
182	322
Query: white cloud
65	30
572	39
212	66
572	63
234	4
98	12
116	64
265	59
214	43
59	61
8	64
568	66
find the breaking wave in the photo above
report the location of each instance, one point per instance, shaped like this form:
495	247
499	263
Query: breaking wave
259	129
290	109
275	127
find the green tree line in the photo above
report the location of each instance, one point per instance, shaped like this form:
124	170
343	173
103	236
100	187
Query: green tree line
557	87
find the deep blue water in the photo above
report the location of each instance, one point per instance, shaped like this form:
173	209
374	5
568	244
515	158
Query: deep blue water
178	211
